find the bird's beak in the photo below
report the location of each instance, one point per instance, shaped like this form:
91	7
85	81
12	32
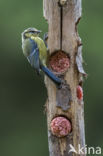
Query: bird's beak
39	31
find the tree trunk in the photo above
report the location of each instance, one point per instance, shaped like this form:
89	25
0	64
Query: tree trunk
63	17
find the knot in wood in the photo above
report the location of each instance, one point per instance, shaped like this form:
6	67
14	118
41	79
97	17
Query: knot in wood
62	2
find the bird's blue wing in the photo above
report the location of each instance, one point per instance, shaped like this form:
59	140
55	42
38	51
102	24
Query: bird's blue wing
33	58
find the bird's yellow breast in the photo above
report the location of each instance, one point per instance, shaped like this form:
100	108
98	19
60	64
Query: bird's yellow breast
42	49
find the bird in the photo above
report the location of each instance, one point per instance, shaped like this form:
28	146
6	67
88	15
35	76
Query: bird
36	52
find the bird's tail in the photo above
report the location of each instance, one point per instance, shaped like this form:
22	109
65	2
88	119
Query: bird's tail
53	77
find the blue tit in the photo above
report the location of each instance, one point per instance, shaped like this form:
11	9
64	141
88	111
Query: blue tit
35	50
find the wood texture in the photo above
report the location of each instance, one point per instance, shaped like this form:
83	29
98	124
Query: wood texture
65	30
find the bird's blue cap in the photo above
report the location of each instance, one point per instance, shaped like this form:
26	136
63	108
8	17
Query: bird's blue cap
33	30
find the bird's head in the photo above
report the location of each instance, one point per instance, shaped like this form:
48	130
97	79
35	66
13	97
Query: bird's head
30	32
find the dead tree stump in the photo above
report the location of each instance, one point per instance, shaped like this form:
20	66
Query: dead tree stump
65	107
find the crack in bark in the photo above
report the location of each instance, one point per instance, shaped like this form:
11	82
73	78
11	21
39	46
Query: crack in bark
61	23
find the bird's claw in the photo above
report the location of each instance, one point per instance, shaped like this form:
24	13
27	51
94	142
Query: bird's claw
45	38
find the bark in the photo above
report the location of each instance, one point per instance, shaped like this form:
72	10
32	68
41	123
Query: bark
62	35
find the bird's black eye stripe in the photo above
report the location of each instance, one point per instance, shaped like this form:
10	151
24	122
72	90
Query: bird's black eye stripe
32	31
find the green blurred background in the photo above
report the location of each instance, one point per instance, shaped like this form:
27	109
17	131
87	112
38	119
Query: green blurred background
22	93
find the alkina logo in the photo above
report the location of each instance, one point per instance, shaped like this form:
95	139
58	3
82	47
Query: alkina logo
85	150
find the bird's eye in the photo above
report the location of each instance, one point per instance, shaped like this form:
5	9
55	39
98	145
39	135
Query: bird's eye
31	31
